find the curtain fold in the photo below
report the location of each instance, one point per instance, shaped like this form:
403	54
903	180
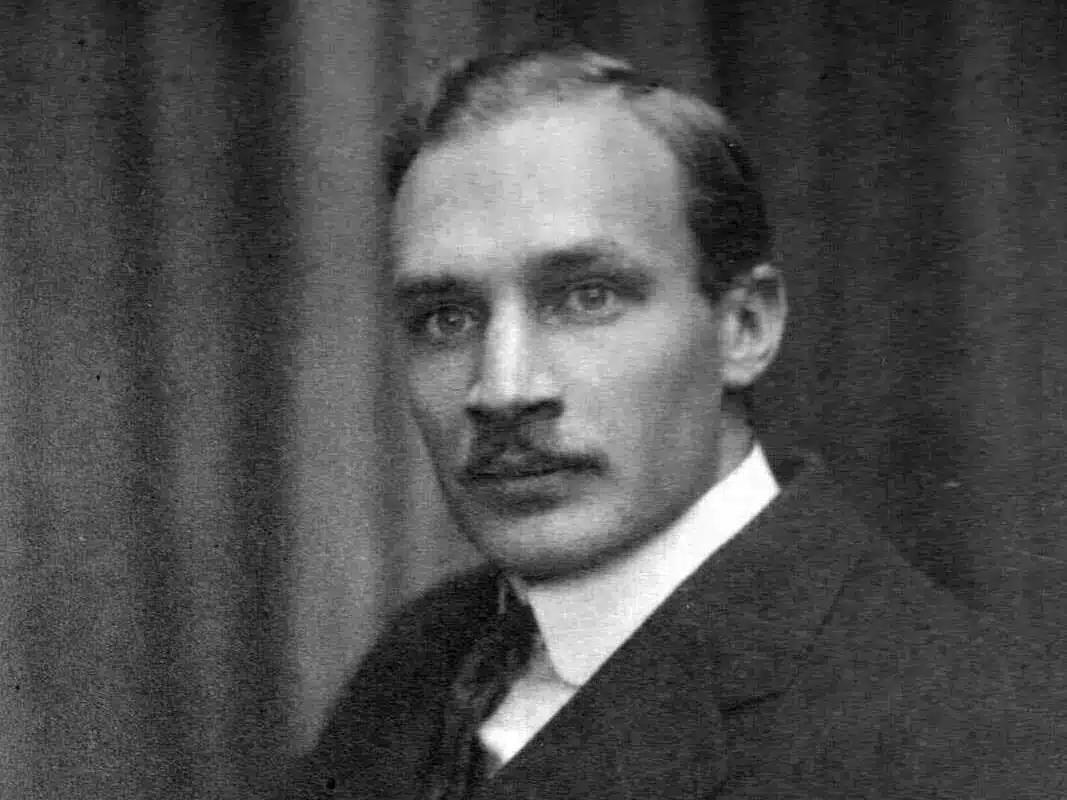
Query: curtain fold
148	280
347	464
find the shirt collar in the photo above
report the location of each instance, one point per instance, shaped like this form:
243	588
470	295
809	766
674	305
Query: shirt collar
583	620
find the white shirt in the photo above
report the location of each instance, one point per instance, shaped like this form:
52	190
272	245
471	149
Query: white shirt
583	620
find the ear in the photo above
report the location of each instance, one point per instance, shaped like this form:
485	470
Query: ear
754	309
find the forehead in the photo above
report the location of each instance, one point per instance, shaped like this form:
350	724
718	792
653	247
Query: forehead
550	178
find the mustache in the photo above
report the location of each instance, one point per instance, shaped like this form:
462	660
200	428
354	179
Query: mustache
495	458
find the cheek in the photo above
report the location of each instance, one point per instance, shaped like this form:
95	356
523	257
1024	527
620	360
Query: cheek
436	396
643	379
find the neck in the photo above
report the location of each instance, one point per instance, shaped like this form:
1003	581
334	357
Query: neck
734	445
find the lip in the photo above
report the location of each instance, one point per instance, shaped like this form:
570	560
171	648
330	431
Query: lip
506	467
527	488
514	472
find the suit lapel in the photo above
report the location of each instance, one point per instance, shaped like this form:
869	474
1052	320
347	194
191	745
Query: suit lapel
629	732
653	721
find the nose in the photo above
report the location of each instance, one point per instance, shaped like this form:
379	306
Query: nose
513	383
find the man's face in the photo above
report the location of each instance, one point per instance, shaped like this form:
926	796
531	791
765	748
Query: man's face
563	366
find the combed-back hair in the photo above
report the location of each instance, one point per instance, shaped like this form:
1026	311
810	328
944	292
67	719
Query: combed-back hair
725	208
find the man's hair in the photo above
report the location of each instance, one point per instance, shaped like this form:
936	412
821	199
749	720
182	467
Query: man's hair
725	208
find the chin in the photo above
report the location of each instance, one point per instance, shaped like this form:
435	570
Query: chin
544	550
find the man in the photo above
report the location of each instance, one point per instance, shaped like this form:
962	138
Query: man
585	294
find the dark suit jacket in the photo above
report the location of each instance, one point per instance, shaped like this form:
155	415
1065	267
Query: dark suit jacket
805	659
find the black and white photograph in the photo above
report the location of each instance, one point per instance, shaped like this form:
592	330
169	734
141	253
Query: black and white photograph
533	400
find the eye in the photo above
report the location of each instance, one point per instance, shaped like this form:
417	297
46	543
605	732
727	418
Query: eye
592	301
445	324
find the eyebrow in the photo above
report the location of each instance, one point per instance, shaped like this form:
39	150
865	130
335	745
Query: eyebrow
408	289
566	264
554	266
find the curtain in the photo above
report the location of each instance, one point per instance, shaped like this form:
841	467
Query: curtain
210	492
148	322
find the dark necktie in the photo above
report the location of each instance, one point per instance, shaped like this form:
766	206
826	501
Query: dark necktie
488	670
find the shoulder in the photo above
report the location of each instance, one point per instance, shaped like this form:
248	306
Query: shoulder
385	718
935	689
903	677
449	608
421	639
